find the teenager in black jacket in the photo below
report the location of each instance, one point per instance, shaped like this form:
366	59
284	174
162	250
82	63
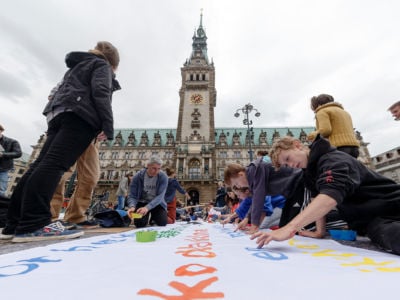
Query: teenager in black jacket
79	111
368	201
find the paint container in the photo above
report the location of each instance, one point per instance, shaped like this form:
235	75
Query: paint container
135	215
343	235
146	236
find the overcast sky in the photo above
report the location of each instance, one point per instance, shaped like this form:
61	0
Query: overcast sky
273	54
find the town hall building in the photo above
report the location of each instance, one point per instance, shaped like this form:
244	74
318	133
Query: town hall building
196	149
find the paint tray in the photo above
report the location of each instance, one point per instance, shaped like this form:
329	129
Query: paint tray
135	216
343	235
146	236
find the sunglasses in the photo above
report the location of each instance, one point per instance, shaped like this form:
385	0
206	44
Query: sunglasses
240	189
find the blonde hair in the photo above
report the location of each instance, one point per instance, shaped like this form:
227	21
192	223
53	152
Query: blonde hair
108	51
284	143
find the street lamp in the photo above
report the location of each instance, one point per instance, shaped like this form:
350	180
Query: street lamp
246	110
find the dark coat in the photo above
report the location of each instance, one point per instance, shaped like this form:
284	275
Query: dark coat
361	193
12	150
86	90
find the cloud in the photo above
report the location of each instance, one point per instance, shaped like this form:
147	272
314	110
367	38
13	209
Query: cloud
274	54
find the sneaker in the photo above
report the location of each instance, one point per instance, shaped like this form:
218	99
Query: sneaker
88	224
53	231
6	237
7	233
68	225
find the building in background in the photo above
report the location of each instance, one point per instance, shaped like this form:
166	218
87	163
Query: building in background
388	164
15	174
196	148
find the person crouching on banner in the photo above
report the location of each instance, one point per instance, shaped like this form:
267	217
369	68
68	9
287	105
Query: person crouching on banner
261	179
368	201
147	194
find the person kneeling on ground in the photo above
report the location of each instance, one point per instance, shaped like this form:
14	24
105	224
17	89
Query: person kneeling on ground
147	194
368	201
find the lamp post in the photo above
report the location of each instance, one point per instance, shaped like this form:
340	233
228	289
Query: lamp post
246	110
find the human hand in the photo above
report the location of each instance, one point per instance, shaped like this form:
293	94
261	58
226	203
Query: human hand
130	210
143	210
225	221
282	234
253	229
242	224
101	137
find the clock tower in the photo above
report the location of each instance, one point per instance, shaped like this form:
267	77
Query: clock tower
195	135
197	94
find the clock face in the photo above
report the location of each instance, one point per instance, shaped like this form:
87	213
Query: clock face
196	99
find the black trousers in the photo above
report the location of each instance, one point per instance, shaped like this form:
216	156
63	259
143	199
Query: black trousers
385	233
158	216
67	137
352	150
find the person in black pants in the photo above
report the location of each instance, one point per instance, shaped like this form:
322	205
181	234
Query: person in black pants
368	201
79	111
147	194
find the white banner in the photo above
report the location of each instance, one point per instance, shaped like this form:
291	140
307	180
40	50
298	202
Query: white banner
197	261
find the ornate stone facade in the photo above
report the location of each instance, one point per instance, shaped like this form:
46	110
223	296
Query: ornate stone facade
196	149
388	164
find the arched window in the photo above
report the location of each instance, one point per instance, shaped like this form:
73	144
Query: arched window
194	169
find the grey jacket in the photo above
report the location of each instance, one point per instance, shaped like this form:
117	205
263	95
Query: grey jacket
136	190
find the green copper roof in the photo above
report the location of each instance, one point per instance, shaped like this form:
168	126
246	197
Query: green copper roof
125	134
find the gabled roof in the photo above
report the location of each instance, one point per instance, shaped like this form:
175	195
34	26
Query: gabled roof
151	133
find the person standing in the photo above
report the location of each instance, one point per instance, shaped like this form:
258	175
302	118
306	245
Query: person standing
87	168
395	110
123	190
9	149
170	198
334	124
80	110
147	194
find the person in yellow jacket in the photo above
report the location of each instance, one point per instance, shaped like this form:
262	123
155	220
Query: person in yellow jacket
335	124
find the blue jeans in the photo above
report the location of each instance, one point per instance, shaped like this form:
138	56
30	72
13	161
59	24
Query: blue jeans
3	182
67	138
121	202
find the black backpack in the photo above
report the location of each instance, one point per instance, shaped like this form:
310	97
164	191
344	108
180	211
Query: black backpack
113	218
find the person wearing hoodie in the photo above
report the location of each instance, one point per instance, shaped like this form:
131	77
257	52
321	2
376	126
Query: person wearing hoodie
80	110
368	201
261	180
334	124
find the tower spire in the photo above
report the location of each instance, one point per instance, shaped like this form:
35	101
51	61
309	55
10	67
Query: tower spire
199	45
